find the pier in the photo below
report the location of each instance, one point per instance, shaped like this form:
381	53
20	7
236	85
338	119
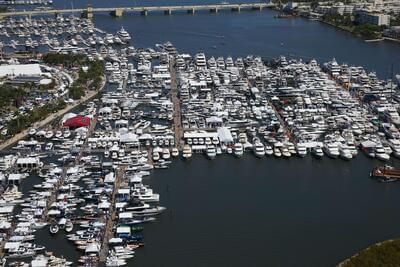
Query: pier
110	217
177	116
143	10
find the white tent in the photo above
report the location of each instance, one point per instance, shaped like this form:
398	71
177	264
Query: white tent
20	70
109	178
224	135
128	137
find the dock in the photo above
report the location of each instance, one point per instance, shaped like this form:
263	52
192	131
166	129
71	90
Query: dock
110	216
177	116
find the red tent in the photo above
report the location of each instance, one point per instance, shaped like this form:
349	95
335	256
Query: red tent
77	121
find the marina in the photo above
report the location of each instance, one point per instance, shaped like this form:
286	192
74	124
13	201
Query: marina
92	171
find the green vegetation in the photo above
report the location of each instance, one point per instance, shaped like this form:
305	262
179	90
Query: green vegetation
3	9
67	60
347	23
395	21
23	121
11	97
384	254
90	79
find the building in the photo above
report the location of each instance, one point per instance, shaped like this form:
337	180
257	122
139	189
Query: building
20	70
393	32
364	17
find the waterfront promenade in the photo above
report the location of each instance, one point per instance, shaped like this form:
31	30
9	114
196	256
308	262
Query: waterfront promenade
52	117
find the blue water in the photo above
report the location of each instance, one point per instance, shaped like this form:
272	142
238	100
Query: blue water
247	32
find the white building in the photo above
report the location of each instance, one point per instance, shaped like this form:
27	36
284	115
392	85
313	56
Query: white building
379	19
20	70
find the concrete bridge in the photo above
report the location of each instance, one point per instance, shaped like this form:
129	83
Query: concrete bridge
143	10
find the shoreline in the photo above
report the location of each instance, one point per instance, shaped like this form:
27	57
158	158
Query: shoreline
344	262
52	117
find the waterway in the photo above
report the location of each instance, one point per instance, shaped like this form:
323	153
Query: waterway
251	212
244	33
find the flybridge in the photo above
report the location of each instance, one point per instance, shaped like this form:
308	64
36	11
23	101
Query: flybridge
119	11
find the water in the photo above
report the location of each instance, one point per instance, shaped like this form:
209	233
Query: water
250	212
269	212
248	32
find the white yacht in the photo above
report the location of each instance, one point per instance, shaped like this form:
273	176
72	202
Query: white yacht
211	152
166	153
156	155
124	35
395	145
301	150
238	149
345	152
201	63
258	149
317	152
175	152
268	150
187	152
331	150
380	153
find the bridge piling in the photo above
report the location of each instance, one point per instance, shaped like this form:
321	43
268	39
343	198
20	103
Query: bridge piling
236	9
214	10
168	12
144	13
191	11
88	13
118	12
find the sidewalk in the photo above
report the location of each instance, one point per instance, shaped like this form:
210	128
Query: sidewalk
51	117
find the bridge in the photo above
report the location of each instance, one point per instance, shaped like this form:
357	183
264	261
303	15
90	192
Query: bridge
143	10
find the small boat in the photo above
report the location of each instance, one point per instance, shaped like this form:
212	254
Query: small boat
69	226
175	152
386	174
53	229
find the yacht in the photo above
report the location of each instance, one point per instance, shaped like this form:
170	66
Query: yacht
331	150
301	150
211	152
268	150
175	152
380	153
124	35
187	152
258	148
317	152
166	153
345	152
200	60
238	149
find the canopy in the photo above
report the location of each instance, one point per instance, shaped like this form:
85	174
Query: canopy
77	121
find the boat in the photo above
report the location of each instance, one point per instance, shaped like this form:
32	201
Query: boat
386	173
211	152
69	226
238	149
175	152
53	229
187	152
258	149
380	153
124	35
301	150
331	150
317	152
